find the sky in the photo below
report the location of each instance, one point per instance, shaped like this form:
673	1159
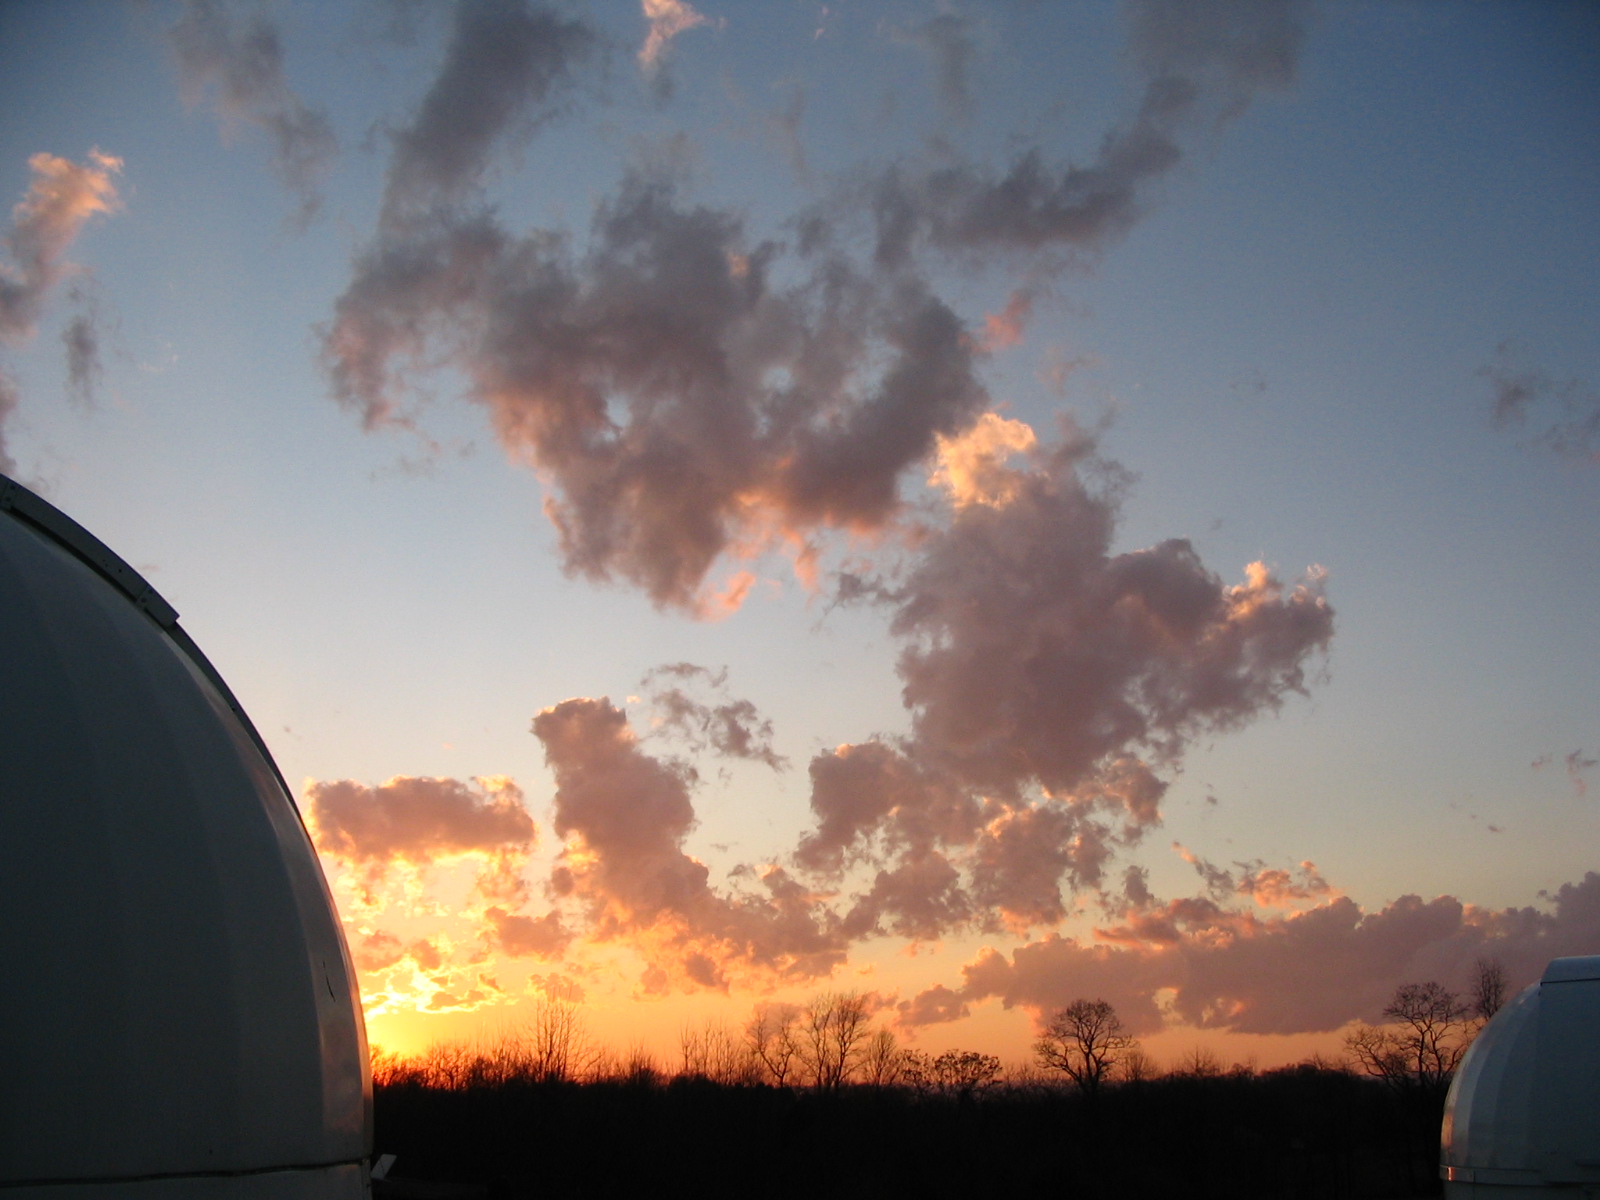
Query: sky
974	504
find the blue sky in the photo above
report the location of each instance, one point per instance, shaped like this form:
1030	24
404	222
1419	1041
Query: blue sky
1288	344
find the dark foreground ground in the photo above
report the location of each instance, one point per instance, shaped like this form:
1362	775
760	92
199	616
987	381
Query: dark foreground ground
1302	1134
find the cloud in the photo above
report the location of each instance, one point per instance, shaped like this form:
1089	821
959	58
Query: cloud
241	71
950	42
81	338
374	950
1564	413
1035	655
508	69
1577	763
972	467
733	728
418	821
1203	65
667	18
624	815
872	797
1245	972
8	405
695	396
680	404
932	1006
520	936
1048	680
1004	329
1269	887
61	199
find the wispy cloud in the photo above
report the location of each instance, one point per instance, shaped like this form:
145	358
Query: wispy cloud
62	197
1563	415
509	68
1204	65
733	728
238	68
951	43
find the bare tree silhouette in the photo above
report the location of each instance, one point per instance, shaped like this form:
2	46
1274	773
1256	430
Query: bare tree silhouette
883	1061
1422	1043
832	1029
1086	1040
773	1036
713	1051
1488	991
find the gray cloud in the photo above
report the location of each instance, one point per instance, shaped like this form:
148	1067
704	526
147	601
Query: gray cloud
733	728
8	405
1047	680
81	339
950	41
1203	66
1245	972
695	395
1034	654
508	69
1563	414
241	70
681	405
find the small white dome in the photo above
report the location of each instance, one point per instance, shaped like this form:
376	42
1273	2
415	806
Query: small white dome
182	1012
1523	1113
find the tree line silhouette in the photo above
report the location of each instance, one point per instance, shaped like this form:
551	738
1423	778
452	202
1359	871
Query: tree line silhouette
812	1100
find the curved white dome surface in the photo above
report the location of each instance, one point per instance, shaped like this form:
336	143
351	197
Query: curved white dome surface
1523	1114
181	1017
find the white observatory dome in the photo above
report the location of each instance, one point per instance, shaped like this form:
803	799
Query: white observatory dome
181	1018
1523	1115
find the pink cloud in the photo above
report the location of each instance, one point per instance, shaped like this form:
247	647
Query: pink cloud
61	199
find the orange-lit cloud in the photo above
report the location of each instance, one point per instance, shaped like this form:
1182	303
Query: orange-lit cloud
668	18
419	821
972	466
521	936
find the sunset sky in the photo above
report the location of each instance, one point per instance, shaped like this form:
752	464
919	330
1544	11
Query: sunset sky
976	504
